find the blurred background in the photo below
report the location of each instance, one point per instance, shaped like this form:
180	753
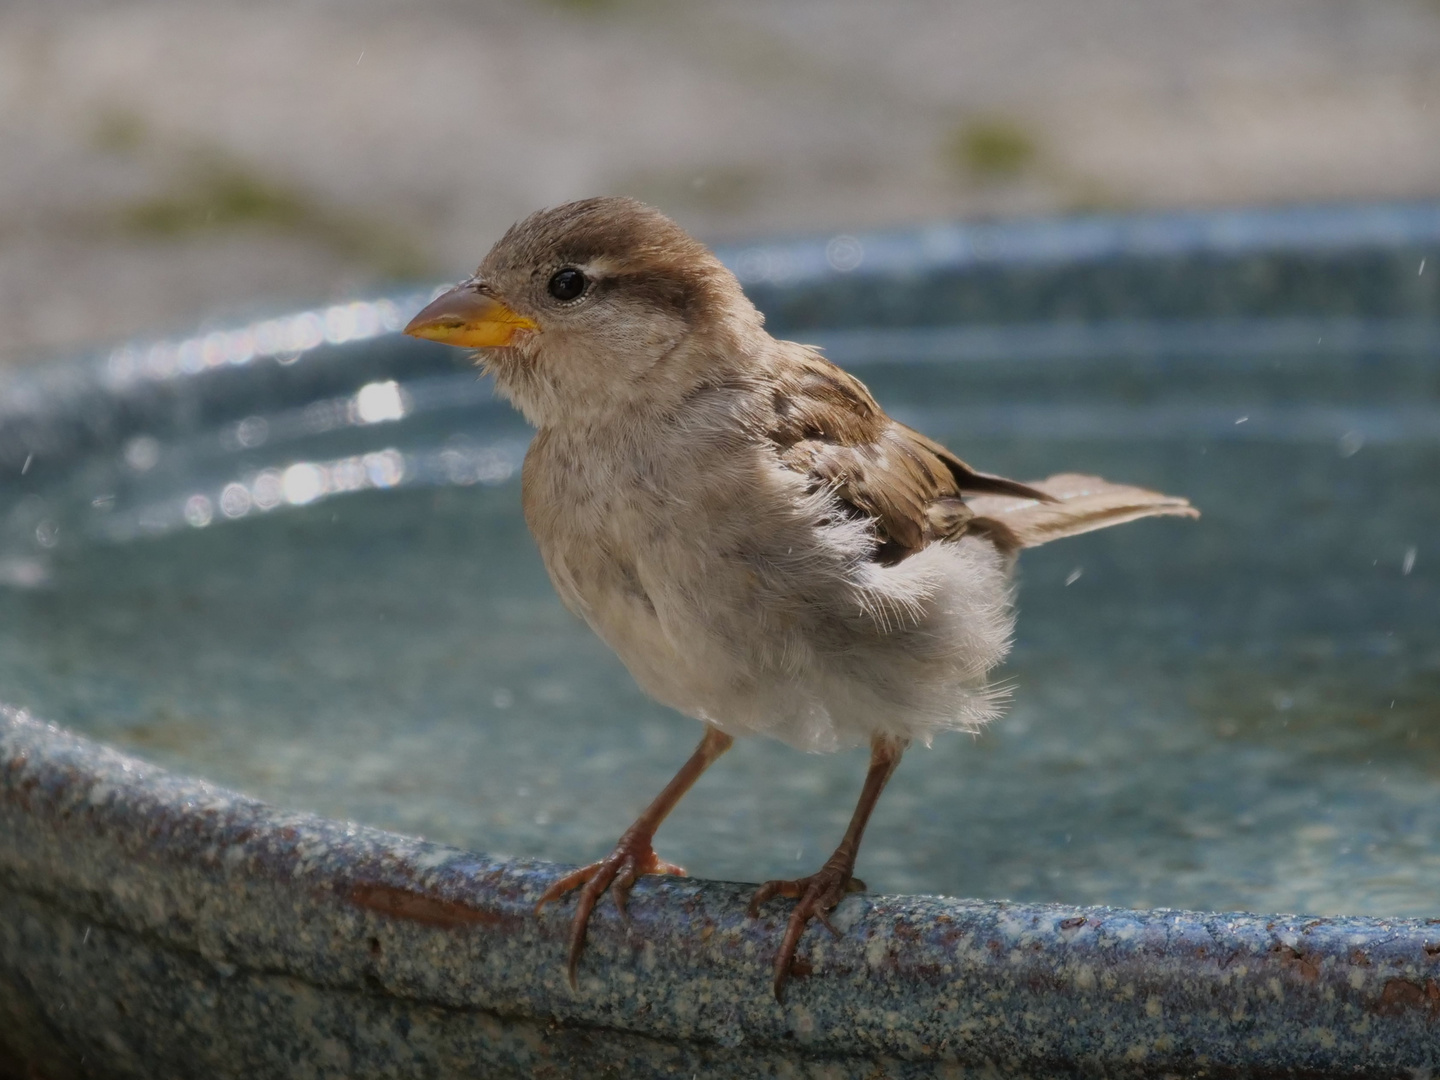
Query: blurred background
169	165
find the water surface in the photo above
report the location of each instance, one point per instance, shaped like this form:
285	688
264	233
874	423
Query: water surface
342	612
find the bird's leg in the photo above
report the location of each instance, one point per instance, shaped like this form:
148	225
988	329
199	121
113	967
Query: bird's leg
821	891
633	854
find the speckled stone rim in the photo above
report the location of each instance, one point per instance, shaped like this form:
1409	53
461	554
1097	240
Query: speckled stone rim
147	919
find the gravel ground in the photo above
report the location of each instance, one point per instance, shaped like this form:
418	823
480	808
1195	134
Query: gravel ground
168	164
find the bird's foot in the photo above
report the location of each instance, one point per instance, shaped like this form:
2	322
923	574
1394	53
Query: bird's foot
617	872
817	896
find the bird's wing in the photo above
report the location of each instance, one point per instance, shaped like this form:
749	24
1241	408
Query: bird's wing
825	424
1077	504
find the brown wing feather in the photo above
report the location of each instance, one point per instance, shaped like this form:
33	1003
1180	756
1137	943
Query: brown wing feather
826	424
1077	504
968	480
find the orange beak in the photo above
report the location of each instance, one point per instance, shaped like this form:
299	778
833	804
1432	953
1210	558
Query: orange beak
467	317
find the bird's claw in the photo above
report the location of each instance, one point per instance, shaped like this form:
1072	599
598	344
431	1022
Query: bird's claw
617	872
816	896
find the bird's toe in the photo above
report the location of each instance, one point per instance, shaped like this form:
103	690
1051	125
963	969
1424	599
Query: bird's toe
816	896
617	872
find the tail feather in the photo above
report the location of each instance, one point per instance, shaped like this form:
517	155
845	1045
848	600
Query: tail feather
1082	504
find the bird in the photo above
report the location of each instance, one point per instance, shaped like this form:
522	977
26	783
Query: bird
736	517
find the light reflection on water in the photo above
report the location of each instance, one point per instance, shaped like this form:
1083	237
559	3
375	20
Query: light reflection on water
304	482
335	605
284	340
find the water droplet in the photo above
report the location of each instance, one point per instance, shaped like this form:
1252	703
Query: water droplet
303	483
142	452
235	501
844	253
379	401
252	432
198	511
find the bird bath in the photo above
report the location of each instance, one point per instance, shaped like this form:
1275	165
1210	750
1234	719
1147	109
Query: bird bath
289	559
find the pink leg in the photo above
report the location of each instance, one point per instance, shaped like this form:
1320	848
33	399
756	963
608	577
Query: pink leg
633	854
820	892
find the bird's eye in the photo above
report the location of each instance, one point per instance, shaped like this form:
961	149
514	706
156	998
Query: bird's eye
567	284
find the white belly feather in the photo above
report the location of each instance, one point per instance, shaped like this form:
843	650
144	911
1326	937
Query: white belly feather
757	607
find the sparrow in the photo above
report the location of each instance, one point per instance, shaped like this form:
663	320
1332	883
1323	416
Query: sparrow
737	518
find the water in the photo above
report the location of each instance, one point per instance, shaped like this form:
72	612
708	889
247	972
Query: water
1239	712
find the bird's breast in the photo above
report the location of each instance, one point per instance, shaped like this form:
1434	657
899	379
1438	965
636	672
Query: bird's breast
661	549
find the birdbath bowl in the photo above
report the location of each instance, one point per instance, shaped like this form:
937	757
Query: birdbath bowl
287	560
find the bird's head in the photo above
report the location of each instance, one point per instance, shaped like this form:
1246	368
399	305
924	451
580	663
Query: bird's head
595	307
